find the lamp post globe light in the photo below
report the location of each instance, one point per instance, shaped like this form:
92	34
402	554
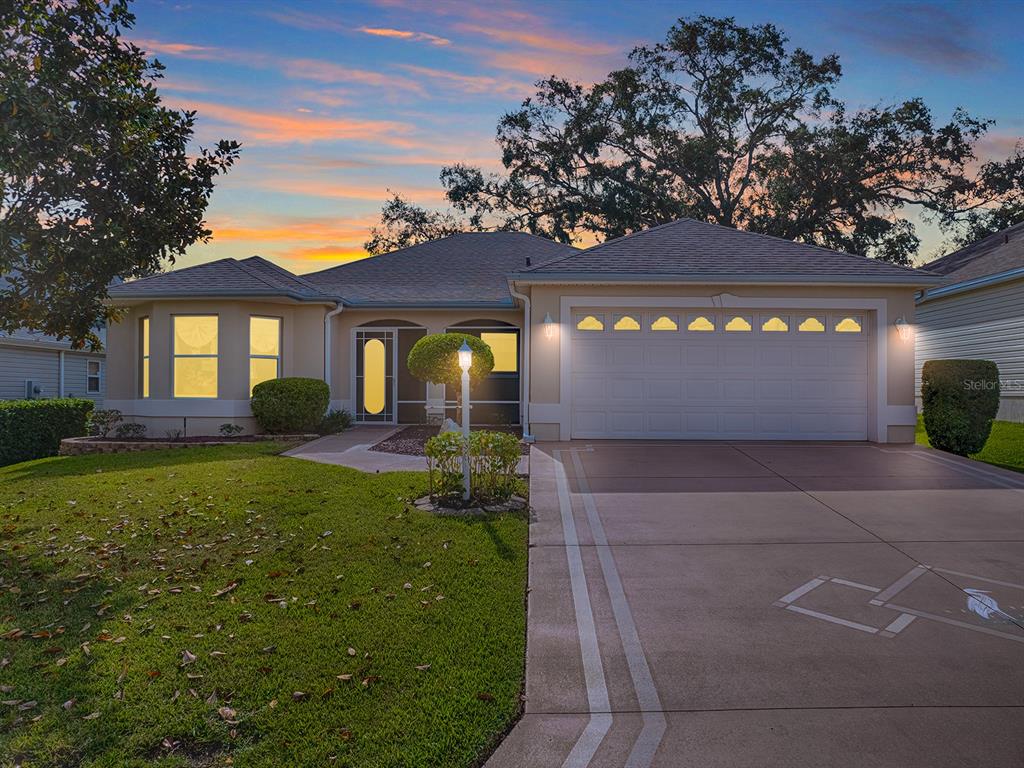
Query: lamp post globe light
465	363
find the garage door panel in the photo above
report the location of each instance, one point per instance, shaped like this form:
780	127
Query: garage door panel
735	385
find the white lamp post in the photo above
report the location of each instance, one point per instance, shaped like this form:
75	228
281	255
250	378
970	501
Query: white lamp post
465	363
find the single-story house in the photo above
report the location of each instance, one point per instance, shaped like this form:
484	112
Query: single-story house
685	330
977	312
34	365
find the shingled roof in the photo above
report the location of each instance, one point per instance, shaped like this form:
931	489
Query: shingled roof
467	269
992	255
254	276
688	249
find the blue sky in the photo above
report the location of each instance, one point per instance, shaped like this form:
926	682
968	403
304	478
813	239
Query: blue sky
337	103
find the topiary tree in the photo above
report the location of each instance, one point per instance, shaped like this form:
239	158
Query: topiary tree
292	404
435	359
960	399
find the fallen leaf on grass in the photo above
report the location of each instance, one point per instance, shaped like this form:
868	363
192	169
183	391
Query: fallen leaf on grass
91	716
227	713
345	677
485	696
227	588
299	696
68	704
187	657
422	667
351	651
368	681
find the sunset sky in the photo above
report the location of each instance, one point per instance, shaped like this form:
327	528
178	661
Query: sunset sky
336	103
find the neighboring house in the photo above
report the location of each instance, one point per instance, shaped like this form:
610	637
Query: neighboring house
978	312
37	366
686	330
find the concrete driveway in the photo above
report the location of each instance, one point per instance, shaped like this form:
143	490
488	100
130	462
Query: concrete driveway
759	604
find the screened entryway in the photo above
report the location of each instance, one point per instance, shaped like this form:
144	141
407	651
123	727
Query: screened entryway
495	400
385	391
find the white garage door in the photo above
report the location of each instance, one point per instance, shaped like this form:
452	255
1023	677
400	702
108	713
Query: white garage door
716	374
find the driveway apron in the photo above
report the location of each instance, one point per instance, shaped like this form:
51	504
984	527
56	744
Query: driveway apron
771	604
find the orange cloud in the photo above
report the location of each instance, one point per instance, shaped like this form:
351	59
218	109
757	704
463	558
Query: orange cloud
539	40
323	253
327	72
470	83
402	34
293	230
172	49
281	128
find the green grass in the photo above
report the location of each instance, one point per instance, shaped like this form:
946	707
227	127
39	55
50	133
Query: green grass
111	566
1005	446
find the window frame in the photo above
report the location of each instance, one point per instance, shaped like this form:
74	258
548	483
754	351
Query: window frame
175	356
145	357
279	357
90	376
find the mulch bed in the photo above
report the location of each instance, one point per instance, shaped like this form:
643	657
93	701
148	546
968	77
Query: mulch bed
410	440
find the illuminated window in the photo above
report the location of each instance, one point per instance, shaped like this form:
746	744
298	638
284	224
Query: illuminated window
665	323
848	325
738	324
195	355
92	376
264	349
775	324
374	376
700	323
811	325
627	323
144	334
590	323
505	350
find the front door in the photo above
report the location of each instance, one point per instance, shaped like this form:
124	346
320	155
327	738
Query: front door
375	376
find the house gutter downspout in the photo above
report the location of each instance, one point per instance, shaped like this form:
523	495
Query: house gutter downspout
528	333
327	347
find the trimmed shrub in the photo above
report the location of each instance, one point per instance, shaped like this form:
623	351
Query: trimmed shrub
230	430
335	421
444	465
960	399
32	429
435	358
292	404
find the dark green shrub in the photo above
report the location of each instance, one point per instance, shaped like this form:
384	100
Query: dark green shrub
960	399
444	465
102	422
230	430
290	405
32	429
335	421
130	431
435	358
493	459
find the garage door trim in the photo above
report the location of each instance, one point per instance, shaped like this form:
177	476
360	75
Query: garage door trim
874	309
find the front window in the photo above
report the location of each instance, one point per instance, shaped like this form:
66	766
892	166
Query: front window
264	349
144	334
92	379
505	349
195	355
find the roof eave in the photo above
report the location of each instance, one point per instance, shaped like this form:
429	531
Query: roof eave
963	286
120	296
452	304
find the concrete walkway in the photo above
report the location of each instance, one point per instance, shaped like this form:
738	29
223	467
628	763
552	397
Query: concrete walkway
352	449
752	604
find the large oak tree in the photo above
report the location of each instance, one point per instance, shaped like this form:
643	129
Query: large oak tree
98	179
727	124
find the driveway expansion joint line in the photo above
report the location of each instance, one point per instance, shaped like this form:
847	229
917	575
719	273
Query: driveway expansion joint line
865	528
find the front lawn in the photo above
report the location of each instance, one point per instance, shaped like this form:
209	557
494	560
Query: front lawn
1005	446
227	606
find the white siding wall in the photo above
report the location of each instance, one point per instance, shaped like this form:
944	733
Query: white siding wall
986	324
17	364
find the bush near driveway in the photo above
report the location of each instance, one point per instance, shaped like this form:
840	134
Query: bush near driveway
181	608
960	398
293	404
31	429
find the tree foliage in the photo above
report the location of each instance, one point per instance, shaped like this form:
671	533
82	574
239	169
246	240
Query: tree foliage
435	358
727	124
98	179
403	223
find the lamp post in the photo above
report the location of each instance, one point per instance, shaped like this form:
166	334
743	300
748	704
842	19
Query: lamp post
465	363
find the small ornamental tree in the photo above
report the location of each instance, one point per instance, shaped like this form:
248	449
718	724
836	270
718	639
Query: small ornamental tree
435	359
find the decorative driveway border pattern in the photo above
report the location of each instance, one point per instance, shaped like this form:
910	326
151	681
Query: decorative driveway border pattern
655	635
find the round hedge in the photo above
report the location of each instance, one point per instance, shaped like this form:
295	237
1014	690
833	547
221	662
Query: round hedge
435	358
960	398
290	405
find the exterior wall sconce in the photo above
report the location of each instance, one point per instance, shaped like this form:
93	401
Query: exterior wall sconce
904	329
549	326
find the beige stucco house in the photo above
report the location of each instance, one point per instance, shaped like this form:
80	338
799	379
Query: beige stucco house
683	331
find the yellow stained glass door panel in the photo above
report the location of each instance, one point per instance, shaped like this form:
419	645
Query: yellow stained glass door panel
374	376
